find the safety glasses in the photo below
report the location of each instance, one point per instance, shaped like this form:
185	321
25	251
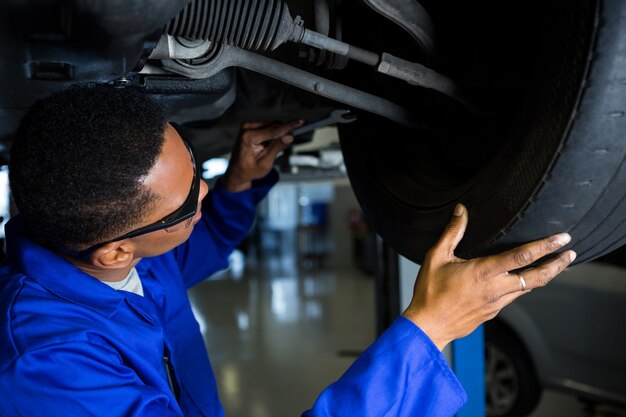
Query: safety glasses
179	219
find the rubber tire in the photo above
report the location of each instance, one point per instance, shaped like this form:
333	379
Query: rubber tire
499	337
566	173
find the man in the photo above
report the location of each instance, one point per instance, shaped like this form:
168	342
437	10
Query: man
115	224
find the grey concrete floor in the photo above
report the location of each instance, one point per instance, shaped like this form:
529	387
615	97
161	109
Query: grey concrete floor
277	335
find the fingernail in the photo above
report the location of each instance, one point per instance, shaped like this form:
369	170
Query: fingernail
572	255
562	239
458	210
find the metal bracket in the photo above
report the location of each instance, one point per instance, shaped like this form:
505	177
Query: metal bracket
174	47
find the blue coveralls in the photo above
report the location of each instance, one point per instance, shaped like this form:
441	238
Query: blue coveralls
72	346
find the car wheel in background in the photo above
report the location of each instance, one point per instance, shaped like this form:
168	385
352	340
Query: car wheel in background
511	385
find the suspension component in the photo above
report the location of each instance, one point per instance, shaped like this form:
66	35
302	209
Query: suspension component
267	24
229	56
247	24
255	25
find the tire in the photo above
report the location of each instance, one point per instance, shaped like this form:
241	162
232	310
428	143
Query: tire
549	158
512	387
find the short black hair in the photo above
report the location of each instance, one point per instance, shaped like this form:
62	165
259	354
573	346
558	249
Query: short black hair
77	163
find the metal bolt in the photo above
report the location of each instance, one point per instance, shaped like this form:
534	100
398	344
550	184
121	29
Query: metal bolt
189	43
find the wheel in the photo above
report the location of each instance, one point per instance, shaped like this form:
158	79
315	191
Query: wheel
546	157
510	382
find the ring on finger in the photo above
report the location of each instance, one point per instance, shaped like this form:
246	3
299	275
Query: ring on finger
522	282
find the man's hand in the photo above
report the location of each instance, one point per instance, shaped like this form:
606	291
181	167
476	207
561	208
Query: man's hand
453	296
254	152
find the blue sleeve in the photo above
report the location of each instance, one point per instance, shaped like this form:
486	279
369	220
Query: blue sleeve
226	220
78	379
401	374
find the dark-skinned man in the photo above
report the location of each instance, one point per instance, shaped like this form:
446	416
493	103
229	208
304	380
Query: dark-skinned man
115	224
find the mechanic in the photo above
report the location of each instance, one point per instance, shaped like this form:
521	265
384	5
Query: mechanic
115	224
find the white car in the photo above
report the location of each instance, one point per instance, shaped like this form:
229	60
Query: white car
569	336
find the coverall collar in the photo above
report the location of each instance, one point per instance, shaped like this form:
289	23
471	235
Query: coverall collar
57	274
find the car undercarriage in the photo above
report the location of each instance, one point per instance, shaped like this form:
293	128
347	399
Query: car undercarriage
456	101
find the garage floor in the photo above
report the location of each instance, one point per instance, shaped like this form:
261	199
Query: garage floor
277	335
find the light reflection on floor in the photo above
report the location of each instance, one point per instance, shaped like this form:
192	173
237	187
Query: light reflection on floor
274	333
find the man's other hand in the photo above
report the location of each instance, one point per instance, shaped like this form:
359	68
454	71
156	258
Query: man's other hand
453	296
254	152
